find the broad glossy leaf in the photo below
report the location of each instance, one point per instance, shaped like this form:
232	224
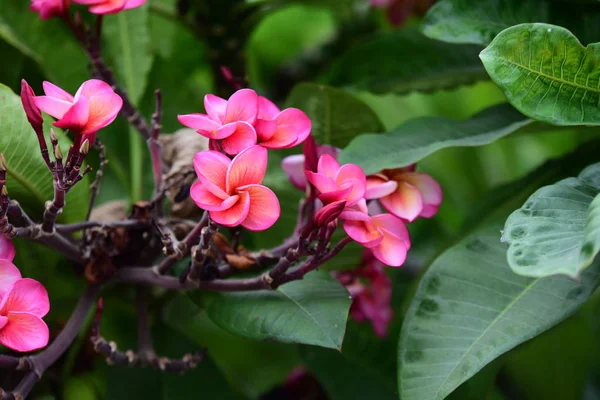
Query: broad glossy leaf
475	21
404	60
49	43
28	179
128	43
556	230
337	117
313	311
252	367
470	308
546	73
420	137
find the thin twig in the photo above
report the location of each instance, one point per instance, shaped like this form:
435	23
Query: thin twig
95	186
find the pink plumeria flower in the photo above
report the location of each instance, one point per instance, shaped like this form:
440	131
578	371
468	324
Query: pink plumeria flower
371	291
49	8
7	249
384	234
294	166
405	193
231	190
94	106
278	129
110	6
23	303
230	121
336	182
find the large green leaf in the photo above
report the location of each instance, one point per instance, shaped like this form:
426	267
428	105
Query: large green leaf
420	137
28	179
476	21
546	73
470	308
556	230
49	43
337	117
311	311
401	61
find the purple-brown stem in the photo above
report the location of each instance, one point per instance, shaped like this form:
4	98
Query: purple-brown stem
185	245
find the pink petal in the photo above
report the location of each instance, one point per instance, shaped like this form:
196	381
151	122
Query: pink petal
391	250
7	249
329	213
293	166
242	138
223	132
108	7
323	183
327	149
264	208
265	129
199	122
328	166
24	332
247	168
267	110
336	195
3	321
206	200
133	4
215	107
431	192
292	122
77	116
388	223
52	106
9	274
242	106
51	90
363	232
405	202
213	166
379	186
234	215
27	295
104	108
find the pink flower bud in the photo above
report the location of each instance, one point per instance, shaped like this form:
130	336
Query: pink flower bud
49	8
33	113
110	6
329	213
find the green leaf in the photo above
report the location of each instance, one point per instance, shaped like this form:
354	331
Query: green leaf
49	43
420	137
478	22
470	308
337	117
556	230
28	179
546	73
311	311
404	60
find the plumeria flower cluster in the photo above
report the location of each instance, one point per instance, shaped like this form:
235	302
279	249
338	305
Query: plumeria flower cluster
404	193
55	8
23	304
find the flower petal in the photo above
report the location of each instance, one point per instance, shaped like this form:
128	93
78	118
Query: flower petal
247	168
24	332
52	106
293	166
104	108
265	129
378	186
264	208
336	195
405	202
391	250
26	295
328	166
234	215
431	192
7	249
108	7
242	138
322	182
364	232
77	117
199	122
394	225
293	122
215	107
51	90
267	110
212	165
206	200
242	106
9	274
133	4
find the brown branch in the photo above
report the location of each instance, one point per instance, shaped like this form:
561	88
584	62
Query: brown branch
95	186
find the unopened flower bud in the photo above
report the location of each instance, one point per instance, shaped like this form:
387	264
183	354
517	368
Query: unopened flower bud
4	191
53	136
329	213
85	147
58	155
3	166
